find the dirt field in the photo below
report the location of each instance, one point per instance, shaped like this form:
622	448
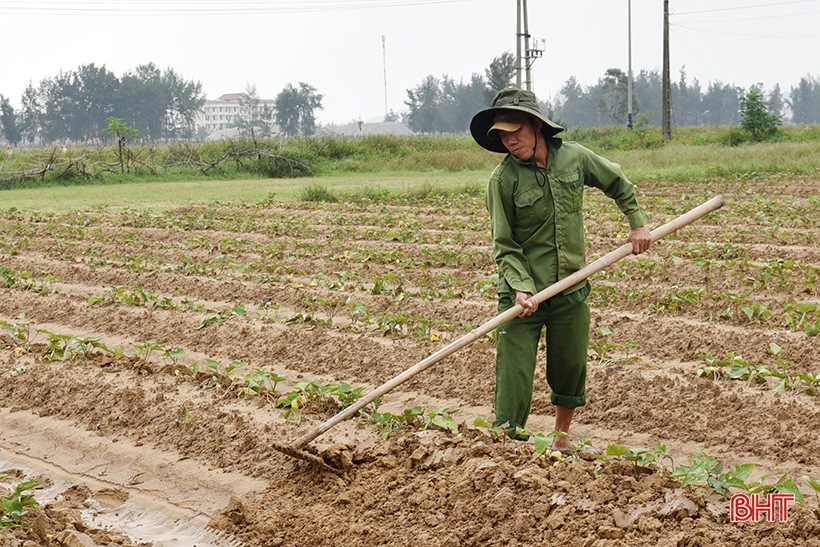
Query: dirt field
142	357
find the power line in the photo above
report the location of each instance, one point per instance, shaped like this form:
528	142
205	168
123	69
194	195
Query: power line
678	25
755	18
677	14
203	7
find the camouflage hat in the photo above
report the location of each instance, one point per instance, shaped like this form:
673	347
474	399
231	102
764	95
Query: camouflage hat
509	110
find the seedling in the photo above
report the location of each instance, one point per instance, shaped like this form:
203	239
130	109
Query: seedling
416	417
486	287
797	316
602	347
756	311
67	347
739	369
674	301
705	469
14	506
224	315
20	334
187	419
317	396
143	351
815	484
641	457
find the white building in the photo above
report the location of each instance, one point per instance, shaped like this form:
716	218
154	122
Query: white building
223	112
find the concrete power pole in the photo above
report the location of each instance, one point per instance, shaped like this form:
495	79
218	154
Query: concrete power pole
531	52
528	79
629	76
518	47
384	61
666	121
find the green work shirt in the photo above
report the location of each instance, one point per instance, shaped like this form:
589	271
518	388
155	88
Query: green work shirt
537	214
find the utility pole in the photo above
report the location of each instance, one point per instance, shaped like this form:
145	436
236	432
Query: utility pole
384	61
629	76
527	63
531	53
518	46
666	121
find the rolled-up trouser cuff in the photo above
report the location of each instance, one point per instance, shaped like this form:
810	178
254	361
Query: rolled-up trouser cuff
567	400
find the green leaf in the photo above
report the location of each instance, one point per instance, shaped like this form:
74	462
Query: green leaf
718	485
542	442
293	415
446	422
786	485
735	482
482	422
743	471
774	349
616	450
814	483
780	386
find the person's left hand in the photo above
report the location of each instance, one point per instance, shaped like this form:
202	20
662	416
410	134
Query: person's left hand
640	238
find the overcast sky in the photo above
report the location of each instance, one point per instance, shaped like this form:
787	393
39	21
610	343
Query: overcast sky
336	45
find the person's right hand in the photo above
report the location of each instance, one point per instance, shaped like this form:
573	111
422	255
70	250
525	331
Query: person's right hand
527	301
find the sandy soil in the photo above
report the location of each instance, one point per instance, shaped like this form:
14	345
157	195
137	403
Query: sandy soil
109	321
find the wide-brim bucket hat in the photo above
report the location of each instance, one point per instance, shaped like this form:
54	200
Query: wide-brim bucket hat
512	100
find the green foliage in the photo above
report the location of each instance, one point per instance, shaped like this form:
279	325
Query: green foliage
317	192
704	469
695	154
20	335
764	375
119	129
414	418
8	122
757	119
642	457
68	347
237	310
317	396
295	110
13	507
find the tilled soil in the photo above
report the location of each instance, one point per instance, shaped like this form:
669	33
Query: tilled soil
144	358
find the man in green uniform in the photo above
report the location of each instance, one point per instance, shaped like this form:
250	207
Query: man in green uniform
535	200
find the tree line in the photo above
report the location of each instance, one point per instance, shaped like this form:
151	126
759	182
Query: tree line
163	106
605	103
76	104
155	105
442	105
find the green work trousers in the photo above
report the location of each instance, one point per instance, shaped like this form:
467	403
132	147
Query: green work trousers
566	318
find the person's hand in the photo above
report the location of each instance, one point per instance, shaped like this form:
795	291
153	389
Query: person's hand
527	301
640	238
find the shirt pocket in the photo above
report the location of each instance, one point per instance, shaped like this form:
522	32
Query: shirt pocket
571	192
530	207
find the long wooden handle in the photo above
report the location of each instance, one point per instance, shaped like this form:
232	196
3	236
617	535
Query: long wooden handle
603	262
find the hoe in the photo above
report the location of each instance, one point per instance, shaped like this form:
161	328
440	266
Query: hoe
296	448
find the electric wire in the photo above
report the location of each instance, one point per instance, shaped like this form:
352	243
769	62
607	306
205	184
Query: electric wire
753	35
778	4
766	18
203	7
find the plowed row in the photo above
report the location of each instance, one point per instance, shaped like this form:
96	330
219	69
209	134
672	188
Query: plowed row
358	293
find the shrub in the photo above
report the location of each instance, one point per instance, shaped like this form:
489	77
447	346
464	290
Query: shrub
317	192
757	120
